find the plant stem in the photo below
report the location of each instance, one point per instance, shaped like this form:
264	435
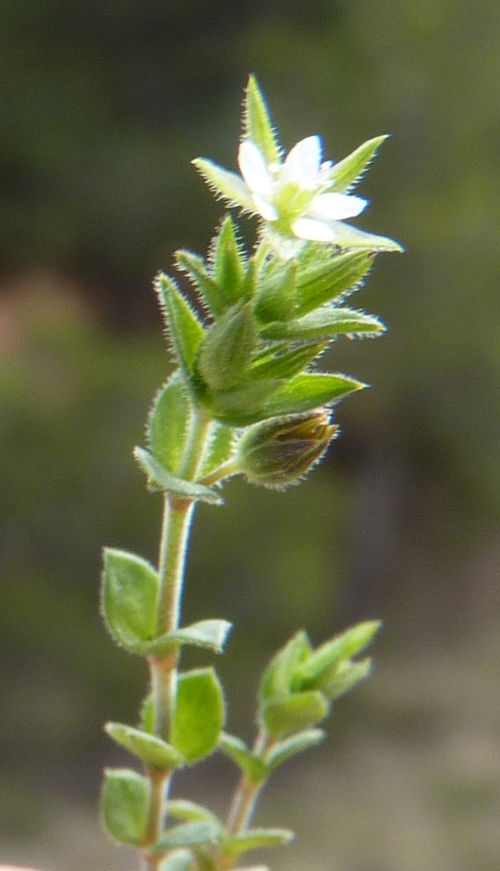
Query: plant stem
176	526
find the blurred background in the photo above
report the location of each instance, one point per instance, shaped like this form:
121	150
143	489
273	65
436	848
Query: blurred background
103	105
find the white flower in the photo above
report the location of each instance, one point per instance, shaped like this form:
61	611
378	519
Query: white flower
296	194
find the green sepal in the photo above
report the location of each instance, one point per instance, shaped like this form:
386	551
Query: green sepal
347	236
210	634
325	323
159	478
255	839
329	654
296	711
325	275
130	591
168	422
195	267
187	835
277	679
222	182
180	860
348	171
152	751
310	390
125	805
185	330
257	124
199	714
190	811
289	747
275	297
339	679
254	769
285	364
228	262
220	448
226	350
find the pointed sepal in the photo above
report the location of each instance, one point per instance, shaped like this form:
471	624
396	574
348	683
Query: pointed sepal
185	329
348	172
257	125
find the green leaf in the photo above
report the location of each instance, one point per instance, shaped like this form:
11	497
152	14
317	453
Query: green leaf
181	860
210	634
277	679
325	275
130	590
147	715
343	677
186	331
255	839
257	123
289	747
275	297
244	405
348	171
226	184
187	835
152	751
191	811
159	478
199	713
125	805
220	448
168	422
253	768
226	350
286	364
342	647
310	390
210	292
325	323
297	711
229	264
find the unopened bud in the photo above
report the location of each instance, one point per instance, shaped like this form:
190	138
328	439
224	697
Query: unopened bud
281	451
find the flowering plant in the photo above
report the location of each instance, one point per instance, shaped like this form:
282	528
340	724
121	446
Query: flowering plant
245	399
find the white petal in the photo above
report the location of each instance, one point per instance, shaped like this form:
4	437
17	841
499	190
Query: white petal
254	168
302	162
265	208
336	207
316	231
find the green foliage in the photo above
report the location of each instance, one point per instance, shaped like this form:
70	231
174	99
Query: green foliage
199	714
160	478
124	805
255	839
152	751
130	592
168	423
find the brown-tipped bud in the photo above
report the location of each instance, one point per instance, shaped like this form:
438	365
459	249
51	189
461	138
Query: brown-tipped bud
279	452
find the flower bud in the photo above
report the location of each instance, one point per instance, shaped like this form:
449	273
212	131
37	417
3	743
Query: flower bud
279	452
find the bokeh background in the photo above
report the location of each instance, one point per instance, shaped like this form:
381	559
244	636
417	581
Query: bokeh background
103	104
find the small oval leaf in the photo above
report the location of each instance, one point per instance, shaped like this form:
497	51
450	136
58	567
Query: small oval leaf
152	751
255	839
211	634
254	769
124	805
168	422
199	713
159	478
130	590
297	711
187	835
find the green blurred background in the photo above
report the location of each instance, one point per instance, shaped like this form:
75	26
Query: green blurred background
103	104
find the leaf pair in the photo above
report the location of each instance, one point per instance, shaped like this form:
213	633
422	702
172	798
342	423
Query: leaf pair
130	602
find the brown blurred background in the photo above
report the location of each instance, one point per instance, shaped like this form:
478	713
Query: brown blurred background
103	104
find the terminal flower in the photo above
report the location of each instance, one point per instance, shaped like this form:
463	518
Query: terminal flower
298	198
296	194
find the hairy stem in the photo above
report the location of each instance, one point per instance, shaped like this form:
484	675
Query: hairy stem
177	518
